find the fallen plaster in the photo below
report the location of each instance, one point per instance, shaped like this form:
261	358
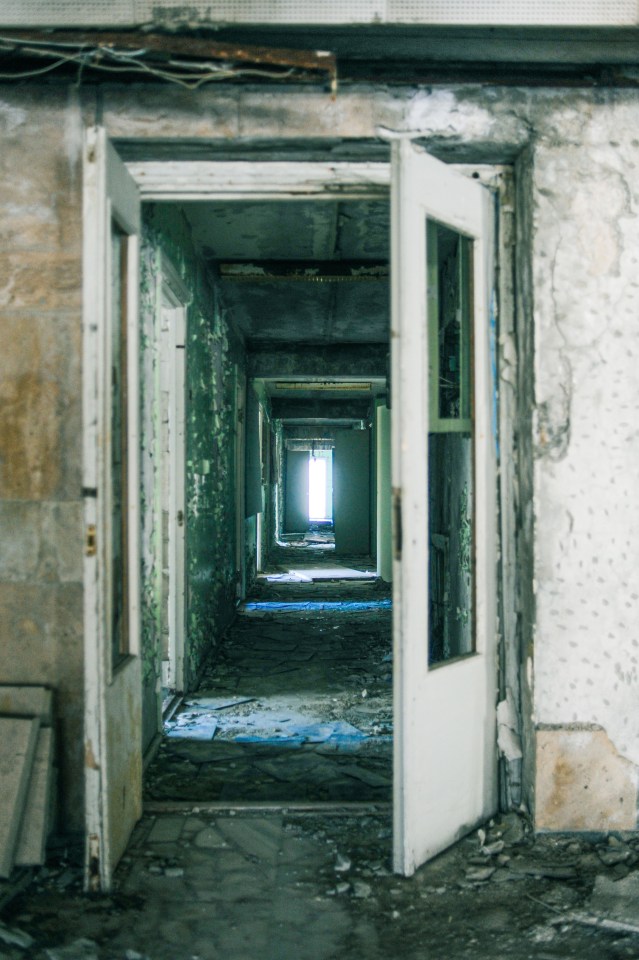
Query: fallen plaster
207	884
295	706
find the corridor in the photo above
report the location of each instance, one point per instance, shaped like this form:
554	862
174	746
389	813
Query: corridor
295	703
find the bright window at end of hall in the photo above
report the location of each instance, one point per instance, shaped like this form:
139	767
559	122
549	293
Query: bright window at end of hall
320	505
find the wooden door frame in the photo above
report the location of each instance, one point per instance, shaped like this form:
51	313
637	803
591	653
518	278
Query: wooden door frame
174	298
102	205
180	181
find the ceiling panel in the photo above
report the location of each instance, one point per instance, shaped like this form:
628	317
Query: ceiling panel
279	311
292	230
284	310
363	231
362	312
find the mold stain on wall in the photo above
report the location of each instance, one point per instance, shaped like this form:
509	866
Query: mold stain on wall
213	353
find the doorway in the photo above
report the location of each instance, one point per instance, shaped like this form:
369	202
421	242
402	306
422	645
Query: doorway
294	702
431	184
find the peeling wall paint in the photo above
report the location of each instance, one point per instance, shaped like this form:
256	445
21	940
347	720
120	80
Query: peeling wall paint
212	352
41	531
574	366
586	251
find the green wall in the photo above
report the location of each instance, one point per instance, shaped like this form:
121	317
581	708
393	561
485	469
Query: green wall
213	352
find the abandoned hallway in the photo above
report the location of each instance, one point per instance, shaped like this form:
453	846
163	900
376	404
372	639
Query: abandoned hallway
267	824
294	704
318	459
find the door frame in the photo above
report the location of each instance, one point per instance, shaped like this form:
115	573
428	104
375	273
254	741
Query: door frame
173	299
109	197
180	181
445	783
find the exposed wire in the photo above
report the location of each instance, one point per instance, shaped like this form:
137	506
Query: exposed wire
188	75
33	73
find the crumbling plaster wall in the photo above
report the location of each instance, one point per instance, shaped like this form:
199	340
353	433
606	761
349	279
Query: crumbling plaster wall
41	533
576	448
586	283
212	352
576	519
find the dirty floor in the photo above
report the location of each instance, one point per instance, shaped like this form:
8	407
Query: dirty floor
225	885
236	859
295	703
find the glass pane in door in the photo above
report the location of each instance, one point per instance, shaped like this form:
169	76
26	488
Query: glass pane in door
450	446
119	470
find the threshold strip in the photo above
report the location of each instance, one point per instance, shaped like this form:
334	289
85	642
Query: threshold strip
273	806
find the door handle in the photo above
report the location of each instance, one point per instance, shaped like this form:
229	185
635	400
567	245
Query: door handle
180	518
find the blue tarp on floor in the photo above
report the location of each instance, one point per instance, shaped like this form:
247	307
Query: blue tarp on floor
345	605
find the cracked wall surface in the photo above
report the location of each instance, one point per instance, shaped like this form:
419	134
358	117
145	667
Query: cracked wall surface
41	533
576	515
212	351
586	250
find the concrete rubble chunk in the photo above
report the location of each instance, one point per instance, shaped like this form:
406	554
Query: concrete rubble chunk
18	739
616	900
35	827
480	875
613	856
492	849
361	890
13	937
342	863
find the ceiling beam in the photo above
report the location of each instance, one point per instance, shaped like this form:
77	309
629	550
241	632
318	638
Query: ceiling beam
285	409
311	271
182	45
368	360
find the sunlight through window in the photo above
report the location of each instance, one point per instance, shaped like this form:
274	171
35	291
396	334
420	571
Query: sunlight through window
319	506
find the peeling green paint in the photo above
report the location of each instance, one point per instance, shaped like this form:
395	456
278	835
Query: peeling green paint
213	352
465	533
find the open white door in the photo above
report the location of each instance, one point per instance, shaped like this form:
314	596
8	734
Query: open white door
171	457
113	715
444	494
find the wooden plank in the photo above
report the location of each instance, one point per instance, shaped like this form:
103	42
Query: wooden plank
18	739
24	701
31	846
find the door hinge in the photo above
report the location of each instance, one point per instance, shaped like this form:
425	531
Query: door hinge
397	523
91	542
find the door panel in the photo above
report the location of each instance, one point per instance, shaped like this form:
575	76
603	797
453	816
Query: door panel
444	494
296	493
351	492
113	714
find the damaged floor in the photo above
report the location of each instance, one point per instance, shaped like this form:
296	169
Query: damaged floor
296	702
210	885
234	857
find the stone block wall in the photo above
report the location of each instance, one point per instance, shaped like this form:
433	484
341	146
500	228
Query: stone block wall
41	626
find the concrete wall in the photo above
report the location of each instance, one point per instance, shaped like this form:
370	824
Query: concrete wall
572	352
41	532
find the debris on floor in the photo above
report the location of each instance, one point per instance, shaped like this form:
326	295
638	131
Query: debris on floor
227	885
295	705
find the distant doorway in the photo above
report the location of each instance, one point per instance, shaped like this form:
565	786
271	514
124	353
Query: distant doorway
320	486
